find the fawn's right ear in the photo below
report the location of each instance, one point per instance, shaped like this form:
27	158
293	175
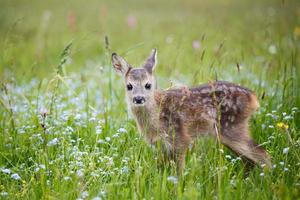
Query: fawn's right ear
119	64
151	61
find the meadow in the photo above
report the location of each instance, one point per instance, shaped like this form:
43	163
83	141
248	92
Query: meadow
66	132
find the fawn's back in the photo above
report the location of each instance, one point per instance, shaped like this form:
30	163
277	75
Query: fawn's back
201	107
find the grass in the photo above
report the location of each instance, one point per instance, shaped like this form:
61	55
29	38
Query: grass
65	129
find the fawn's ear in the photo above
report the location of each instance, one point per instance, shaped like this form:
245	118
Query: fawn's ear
151	61
119	64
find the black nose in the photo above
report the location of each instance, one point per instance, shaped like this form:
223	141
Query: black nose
138	100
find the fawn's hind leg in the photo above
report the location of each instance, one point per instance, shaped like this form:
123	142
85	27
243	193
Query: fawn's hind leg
237	138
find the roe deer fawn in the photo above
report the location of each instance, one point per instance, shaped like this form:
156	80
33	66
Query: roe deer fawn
176	116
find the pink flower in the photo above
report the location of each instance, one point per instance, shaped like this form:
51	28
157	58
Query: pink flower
131	21
196	44
44	112
71	18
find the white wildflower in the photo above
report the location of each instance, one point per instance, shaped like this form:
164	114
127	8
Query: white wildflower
67	178
6	171
98	130
239	158
78	116
3	193
288	117
15	176
262	174
233	182
84	194
122	130
294	109
69	129
53	142
94	174
284	113
271	137
80	173
101	121
92	119
102	193
97	198
285	150
281	163
100	141
172	179
124	170
42	166
272	49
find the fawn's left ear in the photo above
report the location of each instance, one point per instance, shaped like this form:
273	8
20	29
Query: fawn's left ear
151	61
119	64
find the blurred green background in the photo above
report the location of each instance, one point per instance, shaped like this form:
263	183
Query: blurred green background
33	33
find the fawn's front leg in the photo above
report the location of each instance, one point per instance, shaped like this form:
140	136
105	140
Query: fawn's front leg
180	144
176	138
180	160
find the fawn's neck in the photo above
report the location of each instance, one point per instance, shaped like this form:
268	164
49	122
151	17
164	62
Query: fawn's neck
147	119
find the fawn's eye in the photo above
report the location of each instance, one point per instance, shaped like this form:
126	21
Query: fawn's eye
148	86
129	86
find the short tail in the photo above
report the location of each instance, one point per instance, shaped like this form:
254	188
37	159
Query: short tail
253	102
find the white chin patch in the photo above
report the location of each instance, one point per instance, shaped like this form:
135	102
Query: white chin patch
138	105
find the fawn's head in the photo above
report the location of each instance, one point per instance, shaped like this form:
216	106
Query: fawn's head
140	82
